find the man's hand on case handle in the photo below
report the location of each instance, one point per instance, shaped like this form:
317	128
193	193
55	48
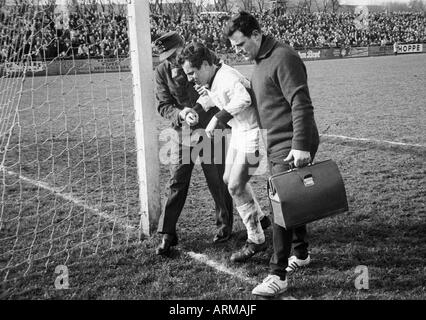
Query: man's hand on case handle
300	158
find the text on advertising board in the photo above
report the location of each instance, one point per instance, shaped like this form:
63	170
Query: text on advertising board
410	48
310	54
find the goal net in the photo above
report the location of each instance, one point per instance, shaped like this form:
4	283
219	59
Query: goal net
69	182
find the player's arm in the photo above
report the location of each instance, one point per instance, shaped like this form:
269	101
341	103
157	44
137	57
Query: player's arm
204	105
204	102
239	100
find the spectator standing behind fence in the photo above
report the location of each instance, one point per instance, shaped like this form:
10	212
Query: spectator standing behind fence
279	83
176	97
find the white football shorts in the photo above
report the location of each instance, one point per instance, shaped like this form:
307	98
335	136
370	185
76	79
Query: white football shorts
246	141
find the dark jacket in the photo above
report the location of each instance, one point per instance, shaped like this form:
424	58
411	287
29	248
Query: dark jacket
174	92
284	105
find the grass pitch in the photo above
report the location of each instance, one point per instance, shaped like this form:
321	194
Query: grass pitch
379	98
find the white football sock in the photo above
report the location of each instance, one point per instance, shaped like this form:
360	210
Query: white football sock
249	214
260	212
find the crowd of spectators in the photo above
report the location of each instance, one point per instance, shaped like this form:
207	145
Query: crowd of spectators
79	34
206	28
89	32
312	30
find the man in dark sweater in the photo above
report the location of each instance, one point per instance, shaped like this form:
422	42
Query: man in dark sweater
176	98
285	110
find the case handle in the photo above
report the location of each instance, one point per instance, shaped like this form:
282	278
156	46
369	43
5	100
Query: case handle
293	167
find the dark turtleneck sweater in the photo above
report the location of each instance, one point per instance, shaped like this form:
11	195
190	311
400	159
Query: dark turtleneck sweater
279	82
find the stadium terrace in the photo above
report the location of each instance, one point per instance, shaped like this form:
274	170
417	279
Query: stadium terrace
101	31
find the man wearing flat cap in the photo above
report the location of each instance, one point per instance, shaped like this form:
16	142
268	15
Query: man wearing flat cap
176	98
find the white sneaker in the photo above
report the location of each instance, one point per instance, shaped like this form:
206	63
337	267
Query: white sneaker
294	263
271	286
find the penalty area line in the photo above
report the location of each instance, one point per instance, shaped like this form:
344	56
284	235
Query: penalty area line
373	140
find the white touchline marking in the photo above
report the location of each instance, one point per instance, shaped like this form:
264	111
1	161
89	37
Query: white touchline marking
232	272
220	267
373	140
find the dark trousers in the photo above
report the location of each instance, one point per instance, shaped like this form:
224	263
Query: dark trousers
213	168
285	239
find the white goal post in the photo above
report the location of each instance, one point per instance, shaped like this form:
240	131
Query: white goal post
145	123
79	163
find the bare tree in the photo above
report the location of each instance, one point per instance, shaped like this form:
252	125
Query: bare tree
417	5
308	5
261	5
335	5
281	6
176	9
188	6
304	6
247	5
327	5
156	7
322	6
221	5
